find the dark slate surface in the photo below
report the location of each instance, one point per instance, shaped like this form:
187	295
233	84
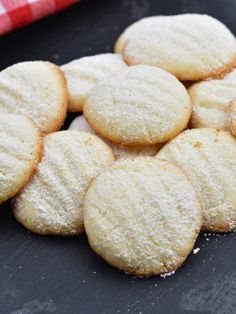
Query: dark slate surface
62	275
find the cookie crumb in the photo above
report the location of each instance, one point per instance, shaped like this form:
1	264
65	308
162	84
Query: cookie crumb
167	274
195	251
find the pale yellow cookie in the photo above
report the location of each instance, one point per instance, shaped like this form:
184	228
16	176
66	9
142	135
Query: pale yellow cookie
142	216
120	151
233	117
21	147
211	101
137	26
140	105
83	74
35	89
190	46
208	157
51	202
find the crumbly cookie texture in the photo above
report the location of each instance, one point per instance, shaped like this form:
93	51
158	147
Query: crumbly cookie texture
83	74
120	151
211	100
232	119
148	225
21	147
36	89
51	202
208	157
190	46
140	105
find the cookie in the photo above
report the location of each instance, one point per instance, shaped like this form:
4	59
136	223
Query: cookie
190	46
120	151
137	26
35	89
140	105
233	117
51	203
21	147
142	216
211	101
208	157
83	74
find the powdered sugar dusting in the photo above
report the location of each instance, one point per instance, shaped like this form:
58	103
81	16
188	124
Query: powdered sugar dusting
140	105
120	151
83	74
56	192
35	89
182	45
208	158
211	100
145	226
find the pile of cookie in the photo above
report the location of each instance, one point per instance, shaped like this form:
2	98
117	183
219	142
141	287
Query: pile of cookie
152	160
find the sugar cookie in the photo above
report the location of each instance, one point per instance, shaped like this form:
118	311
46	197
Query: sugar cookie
208	157
211	100
35	89
140	105
137	26
233	117
82	75
21	147
51	202
142	216
190	46
120	151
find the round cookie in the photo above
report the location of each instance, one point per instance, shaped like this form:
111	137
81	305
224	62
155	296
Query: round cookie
120	151
149	224
35	89
140	105
83	74
233	117
51	203
211	101
21	147
190	46
208	157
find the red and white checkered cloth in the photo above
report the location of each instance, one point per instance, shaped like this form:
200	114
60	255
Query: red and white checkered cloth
17	13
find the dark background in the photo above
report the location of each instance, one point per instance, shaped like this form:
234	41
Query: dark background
63	275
